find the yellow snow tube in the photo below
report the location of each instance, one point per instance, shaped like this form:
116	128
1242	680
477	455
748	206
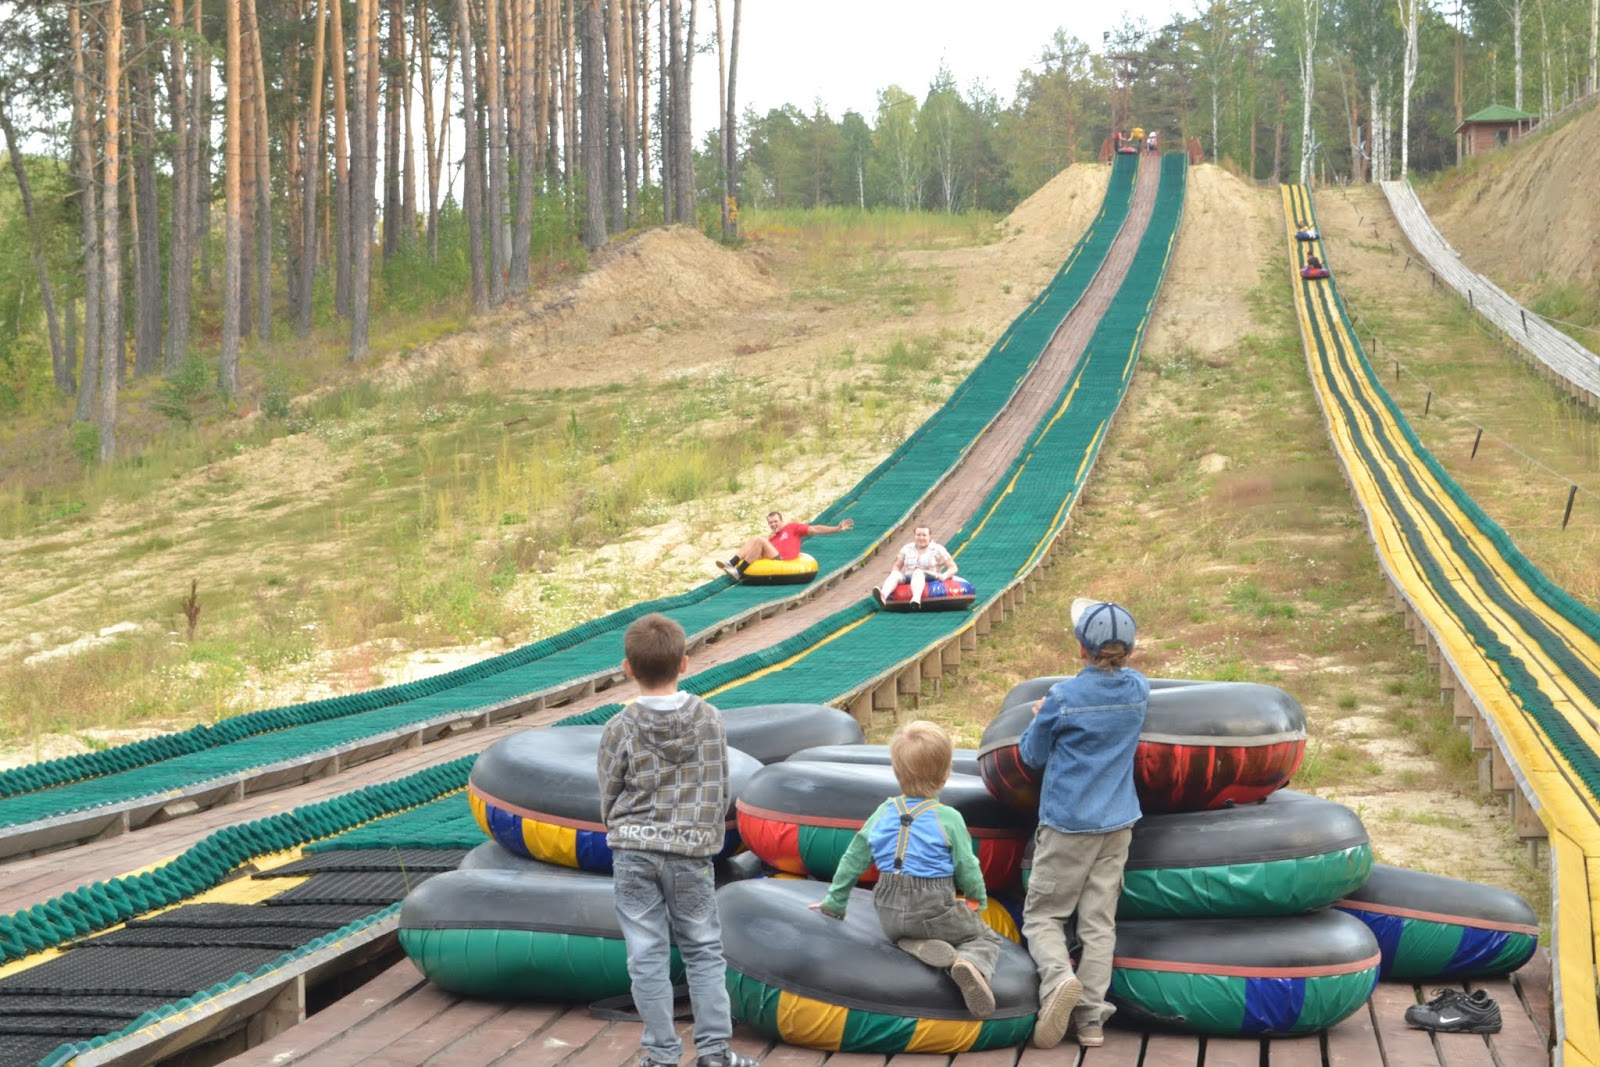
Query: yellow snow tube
797	571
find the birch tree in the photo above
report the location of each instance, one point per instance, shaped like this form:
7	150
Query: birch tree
1310	21
1410	16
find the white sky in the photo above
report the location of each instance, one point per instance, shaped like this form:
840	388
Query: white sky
844	51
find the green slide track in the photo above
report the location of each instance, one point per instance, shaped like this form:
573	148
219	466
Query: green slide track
880	501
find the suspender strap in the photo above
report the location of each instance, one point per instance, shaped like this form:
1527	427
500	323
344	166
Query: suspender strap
907	817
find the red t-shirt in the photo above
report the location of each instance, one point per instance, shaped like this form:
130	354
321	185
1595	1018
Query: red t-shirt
787	539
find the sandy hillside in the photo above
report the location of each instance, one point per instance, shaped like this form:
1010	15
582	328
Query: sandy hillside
1536	216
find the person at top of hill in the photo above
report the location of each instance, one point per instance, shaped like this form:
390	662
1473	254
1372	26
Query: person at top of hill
924	856
922	559
1313	268
1083	737
663	768
1305	231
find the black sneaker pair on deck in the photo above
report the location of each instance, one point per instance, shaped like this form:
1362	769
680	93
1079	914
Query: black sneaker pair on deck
1453	1012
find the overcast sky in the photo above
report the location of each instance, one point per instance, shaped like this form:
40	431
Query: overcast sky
843	52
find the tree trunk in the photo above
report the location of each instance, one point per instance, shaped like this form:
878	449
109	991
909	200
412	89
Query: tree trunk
89	215
232	326
730	125
391	70
643	86
111	236
145	210
527	161
263	182
472	181
314	169
1516	51
200	179
613	141
1311	13
408	142
569	94
630	113
594	128
1409	15
363	138
60	368
494	80
180	253
671	71
684	155
344	129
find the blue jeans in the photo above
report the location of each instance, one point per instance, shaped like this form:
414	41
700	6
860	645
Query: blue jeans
662	898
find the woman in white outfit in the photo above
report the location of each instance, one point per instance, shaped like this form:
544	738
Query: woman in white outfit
918	561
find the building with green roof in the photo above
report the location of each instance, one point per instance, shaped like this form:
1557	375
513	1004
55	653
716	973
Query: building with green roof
1491	128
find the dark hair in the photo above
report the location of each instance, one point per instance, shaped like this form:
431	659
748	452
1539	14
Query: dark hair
654	647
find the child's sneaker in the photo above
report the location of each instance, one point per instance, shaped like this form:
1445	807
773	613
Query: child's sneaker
729	569
940	954
1055	1012
974	987
727	1058
877	596
1091	1035
1454	1012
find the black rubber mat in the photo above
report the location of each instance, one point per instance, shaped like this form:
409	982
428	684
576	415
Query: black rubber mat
377	888
254	932
62	1027
322	917
110	1007
153	972
372	859
26	1051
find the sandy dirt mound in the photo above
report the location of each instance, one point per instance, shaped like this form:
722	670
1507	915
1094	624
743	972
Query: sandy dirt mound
1533	217
1204	305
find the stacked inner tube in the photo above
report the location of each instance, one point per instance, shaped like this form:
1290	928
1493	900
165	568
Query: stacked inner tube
952	594
773	732
1253	977
1289	854
962	760
801	816
797	571
1433	928
1204	745
503	926
805	979
537	793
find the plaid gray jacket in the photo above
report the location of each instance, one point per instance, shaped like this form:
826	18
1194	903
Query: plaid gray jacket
664	779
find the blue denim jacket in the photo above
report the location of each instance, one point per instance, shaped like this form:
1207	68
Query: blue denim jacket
1084	737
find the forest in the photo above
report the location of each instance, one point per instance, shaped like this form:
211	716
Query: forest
195	184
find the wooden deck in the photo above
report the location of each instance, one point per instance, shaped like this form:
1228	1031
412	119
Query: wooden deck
401	1020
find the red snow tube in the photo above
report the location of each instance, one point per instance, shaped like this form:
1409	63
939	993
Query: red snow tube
1204	745
1313	272
800	817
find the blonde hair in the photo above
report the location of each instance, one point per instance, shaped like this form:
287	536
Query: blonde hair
921	752
654	647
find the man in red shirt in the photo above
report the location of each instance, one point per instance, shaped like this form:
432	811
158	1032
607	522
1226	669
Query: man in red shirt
783	543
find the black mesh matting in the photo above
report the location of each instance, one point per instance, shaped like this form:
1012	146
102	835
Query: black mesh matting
110	1007
154	972
376	888
62	1027
322	917
251	934
21	1050
372	859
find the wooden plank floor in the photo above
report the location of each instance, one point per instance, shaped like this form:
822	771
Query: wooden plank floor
401	1020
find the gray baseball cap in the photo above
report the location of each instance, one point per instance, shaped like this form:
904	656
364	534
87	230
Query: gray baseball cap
1096	623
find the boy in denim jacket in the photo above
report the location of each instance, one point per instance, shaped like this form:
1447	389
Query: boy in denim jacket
1084	735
